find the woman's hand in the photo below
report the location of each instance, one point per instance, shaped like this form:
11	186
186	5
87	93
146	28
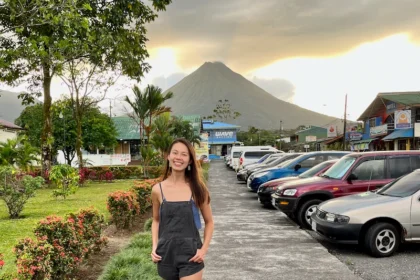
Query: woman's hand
155	257
199	256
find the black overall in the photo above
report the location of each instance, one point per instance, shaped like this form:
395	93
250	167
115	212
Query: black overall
179	240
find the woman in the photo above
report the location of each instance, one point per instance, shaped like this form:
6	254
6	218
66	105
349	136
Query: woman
177	246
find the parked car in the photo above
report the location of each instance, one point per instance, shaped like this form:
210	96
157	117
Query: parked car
297	166
237	151
249	157
354	173
272	160
378	220
267	189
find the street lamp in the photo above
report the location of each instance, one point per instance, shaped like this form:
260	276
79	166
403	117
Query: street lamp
63	117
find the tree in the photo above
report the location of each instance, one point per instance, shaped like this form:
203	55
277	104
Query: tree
98	130
183	129
18	152
140	110
39	37
224	111
161	137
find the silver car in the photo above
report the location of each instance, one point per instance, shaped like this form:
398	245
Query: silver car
378	220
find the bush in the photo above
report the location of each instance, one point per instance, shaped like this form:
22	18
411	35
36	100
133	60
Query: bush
65	178
34	259
1	261
134	262
16	189
143	190
123	206
148	224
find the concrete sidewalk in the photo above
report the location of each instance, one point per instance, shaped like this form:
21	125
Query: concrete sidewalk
251	242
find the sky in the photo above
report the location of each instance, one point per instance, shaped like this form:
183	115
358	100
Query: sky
311	53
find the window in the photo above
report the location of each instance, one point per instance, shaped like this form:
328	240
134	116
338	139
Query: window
236	154
399	166
372	122
338	170
415	162
331	157
403	187
311	162
370	169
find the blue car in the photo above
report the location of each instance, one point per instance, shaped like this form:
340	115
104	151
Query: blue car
292	168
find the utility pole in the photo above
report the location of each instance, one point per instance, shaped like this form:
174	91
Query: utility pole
345	124
281	129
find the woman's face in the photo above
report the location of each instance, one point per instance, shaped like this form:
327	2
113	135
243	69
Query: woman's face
179	157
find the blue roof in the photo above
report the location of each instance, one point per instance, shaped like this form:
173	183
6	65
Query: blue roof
207	125
400	133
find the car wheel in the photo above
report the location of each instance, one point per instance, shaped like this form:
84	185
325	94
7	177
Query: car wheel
382	240
305	212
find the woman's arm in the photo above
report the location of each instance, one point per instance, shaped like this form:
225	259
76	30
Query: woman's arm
209	225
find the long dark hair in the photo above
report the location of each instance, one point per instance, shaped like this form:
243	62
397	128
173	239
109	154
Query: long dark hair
194	175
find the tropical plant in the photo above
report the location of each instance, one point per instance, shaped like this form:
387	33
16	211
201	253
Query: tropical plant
161	138
27	155
147	154
65	178
16	190
19	152
183	129
139	110
8	152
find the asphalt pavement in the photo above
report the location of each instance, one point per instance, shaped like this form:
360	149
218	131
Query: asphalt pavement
251	242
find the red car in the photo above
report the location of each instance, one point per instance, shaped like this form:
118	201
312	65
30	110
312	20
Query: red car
267	189
354	173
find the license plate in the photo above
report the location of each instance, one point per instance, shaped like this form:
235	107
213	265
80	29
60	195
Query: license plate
313	226
273	201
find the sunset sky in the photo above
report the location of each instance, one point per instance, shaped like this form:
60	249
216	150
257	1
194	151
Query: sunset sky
310	53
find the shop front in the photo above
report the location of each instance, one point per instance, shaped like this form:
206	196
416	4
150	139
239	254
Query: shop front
222	137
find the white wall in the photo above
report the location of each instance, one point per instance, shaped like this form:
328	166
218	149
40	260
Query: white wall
4	135
99	160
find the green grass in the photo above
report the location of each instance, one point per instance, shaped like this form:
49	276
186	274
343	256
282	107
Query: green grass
134	262
44	204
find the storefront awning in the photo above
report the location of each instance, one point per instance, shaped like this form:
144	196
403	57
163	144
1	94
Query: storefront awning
400	133
363	141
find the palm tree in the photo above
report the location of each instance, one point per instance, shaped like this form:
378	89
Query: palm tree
161	138
27	155
8	151
183	129
140	109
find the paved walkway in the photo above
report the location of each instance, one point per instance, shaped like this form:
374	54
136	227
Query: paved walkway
251	242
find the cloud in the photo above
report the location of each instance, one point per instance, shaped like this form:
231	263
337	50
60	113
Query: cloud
280	88
247	34
167	82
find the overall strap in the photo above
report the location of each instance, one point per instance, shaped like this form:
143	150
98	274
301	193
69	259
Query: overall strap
163	197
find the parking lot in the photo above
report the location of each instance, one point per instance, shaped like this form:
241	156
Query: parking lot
251	242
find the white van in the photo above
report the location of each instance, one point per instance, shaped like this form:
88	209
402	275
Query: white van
237	151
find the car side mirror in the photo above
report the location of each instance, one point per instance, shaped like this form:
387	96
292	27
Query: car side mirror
352	177
297	167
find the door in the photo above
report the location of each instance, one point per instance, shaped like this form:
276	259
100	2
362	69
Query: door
415	216
369	174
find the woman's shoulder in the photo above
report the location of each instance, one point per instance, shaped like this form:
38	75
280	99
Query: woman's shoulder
157	186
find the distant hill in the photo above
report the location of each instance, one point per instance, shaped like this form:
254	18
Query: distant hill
199	92
10	106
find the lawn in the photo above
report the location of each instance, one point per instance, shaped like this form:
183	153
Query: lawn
44	204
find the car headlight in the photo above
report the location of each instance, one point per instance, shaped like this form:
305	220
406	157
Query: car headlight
335	218
261	174
289	192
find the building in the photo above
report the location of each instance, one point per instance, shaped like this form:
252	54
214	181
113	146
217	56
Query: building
391	122
128	137
8	130
221	136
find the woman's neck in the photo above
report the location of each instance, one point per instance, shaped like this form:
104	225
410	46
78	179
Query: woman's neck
177	177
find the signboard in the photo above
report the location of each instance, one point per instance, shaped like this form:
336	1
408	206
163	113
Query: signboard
202	150
402	119
310	138
390	107
355	136
306	146
417	130
332	131
222	136
379	130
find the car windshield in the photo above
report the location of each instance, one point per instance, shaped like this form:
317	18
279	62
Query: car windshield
402	187
263	158
283	164
340	168
314	170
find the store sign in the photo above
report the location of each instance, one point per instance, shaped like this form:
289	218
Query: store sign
391	107
379	130
332	131
402	119
222	136
202	150
355	136
310	138
417	130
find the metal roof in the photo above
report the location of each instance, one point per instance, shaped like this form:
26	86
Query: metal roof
218	125
400	133
127	128
7	124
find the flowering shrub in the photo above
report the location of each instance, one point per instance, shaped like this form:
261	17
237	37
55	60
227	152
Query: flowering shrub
16	189
34	259
123	206
65	178
1	261
143	189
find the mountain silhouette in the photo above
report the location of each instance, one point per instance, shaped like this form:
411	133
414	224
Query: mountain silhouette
10	106
199	93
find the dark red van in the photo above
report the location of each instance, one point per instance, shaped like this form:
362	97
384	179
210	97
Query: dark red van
353	173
